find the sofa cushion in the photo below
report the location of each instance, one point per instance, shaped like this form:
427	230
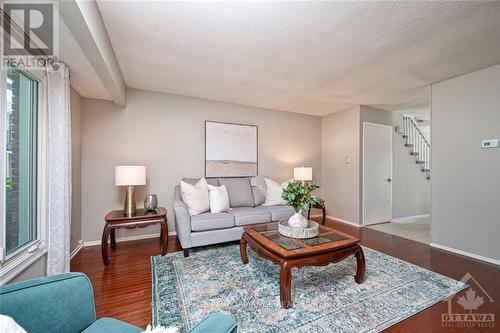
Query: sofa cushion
209	221
250	215
239	190
111	325
279	212
193	181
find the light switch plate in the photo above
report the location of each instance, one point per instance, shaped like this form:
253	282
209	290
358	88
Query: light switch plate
489	143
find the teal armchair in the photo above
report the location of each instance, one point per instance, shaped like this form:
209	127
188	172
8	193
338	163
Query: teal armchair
65	304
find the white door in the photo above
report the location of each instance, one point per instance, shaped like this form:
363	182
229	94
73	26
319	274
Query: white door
377	173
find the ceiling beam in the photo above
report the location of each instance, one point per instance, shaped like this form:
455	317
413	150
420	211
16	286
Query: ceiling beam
85	22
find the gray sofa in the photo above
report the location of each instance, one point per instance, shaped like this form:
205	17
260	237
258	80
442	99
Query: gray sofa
207	228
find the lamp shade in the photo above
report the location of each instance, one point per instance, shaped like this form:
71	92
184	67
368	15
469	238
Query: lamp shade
126	175
303	173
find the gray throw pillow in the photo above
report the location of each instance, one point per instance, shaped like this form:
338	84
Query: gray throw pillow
259	190
239	190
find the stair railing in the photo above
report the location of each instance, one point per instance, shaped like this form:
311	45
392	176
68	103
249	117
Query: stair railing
419	145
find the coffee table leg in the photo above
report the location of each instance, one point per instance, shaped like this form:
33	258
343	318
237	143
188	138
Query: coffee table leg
360	259
285	284
104	244
243	249
164	237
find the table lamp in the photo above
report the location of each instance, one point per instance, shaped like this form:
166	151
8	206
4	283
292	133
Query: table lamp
130	176
303	174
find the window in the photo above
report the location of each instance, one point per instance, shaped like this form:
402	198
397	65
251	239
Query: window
21	228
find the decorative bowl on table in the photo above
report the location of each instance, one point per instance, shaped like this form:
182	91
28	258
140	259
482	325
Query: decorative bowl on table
311	231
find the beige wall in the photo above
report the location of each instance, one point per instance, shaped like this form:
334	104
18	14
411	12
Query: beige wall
466	178
340	139
166	134
76	153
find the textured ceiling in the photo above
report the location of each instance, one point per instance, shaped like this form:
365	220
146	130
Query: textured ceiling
308	57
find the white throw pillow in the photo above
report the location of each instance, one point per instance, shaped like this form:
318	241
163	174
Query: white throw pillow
274	192
161	329
196	196
9	325
219	199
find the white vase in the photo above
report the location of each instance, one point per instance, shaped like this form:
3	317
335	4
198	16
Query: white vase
298	221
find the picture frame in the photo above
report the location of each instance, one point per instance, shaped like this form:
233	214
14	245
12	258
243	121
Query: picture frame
231	150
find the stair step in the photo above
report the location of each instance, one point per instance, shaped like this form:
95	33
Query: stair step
409	145
420	162
413	153
426	170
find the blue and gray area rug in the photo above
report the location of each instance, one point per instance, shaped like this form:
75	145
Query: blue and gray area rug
325	299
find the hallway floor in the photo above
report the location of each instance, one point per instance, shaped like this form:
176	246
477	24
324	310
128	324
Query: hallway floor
418	229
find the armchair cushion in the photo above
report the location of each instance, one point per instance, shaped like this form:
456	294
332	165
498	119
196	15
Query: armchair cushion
58	304
105	324
216	323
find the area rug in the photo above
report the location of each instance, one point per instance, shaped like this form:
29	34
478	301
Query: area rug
325	299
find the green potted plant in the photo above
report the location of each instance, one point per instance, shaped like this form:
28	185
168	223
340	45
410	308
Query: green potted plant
298	195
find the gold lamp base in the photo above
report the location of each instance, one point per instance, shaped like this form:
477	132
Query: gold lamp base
130	209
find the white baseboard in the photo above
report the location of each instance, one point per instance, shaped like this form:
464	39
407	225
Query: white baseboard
465	253
408	219
127	239
344	221
76	250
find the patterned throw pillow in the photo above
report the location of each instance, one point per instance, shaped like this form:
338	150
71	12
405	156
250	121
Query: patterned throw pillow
259	190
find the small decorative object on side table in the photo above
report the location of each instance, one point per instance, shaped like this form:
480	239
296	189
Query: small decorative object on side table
150	202
115	219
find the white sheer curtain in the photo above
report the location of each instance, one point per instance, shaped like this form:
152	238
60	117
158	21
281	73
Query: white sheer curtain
59	170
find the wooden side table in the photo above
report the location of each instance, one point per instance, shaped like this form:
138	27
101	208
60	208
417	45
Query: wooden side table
115	219
321	206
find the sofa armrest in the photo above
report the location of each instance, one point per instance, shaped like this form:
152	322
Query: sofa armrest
61	303
182	219
216	323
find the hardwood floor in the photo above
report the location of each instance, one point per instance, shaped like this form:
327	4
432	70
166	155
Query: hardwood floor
123	289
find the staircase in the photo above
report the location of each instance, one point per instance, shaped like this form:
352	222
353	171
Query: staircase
417	144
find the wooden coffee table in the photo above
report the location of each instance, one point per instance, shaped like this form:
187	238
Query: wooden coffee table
329	247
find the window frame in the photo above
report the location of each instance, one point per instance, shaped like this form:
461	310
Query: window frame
14	263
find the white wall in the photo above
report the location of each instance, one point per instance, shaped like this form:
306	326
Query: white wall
340	140
166	133
466	178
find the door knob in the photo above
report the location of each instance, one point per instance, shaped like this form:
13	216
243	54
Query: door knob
389	180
